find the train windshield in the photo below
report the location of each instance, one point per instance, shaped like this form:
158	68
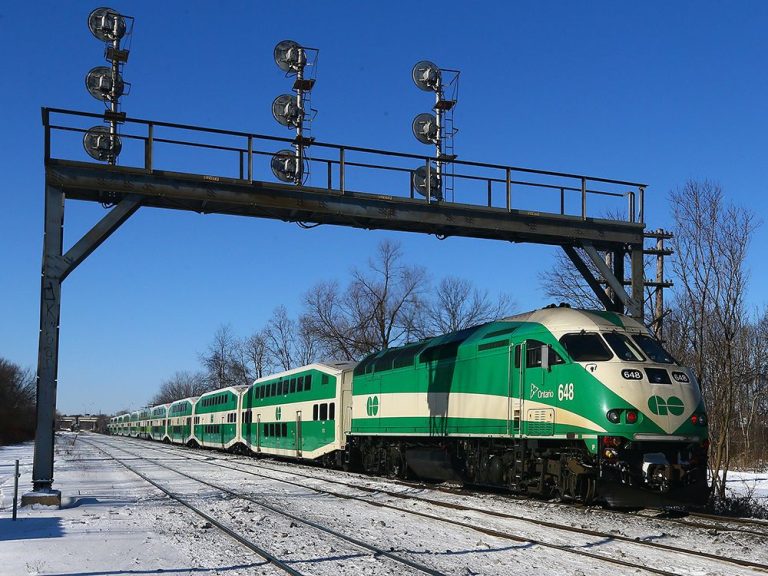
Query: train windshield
653	349
585	347
623	347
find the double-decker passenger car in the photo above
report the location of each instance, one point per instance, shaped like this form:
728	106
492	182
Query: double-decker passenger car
216	419
158	422
180	414
297	412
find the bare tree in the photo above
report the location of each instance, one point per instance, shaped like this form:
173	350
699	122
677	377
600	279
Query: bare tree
564	283
258	358
17	403
182	385
457	304
305	346
711	240
378	308
225	362
279	337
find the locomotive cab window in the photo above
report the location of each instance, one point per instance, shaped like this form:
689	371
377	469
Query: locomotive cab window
586	347
623	347
653	349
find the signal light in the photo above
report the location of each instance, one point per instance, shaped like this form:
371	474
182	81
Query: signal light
614	441
631	416
700	419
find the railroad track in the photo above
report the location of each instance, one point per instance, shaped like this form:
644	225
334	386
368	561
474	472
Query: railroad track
712	522
377	552
608	536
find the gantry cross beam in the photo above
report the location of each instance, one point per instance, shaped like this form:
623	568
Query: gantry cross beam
490	214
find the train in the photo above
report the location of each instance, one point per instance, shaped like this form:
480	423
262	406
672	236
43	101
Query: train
559	402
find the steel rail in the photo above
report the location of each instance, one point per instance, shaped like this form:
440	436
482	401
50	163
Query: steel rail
377	551
481	529
228	531
547	524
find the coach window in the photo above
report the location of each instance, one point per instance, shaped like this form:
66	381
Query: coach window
293	386
285	386
300	384
323	411
332	411
284	429
274	389
314	412
308	382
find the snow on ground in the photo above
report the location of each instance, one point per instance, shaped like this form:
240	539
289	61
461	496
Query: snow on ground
114	523
111	522
750	484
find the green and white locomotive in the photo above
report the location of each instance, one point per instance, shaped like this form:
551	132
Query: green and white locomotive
557	402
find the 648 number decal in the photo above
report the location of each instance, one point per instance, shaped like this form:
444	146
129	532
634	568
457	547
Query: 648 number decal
565	391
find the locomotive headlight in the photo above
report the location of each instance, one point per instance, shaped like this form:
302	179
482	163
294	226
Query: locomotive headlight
680	377
613	416
610	453
631	374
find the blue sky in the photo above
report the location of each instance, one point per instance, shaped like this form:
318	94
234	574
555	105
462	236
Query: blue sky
655	92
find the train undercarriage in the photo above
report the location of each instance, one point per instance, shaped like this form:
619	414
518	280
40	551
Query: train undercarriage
621	473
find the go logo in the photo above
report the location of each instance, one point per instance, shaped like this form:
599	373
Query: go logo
372	406
672	405
278	413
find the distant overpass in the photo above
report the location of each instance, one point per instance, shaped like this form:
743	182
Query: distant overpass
77	422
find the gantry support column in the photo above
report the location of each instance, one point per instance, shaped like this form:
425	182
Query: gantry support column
613	277
48	350
56	267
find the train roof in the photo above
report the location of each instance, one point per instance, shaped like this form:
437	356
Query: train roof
334	367
566	318
237	389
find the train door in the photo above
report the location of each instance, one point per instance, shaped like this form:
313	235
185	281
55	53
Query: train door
345	407
258	432
516	399
298	433
537	410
